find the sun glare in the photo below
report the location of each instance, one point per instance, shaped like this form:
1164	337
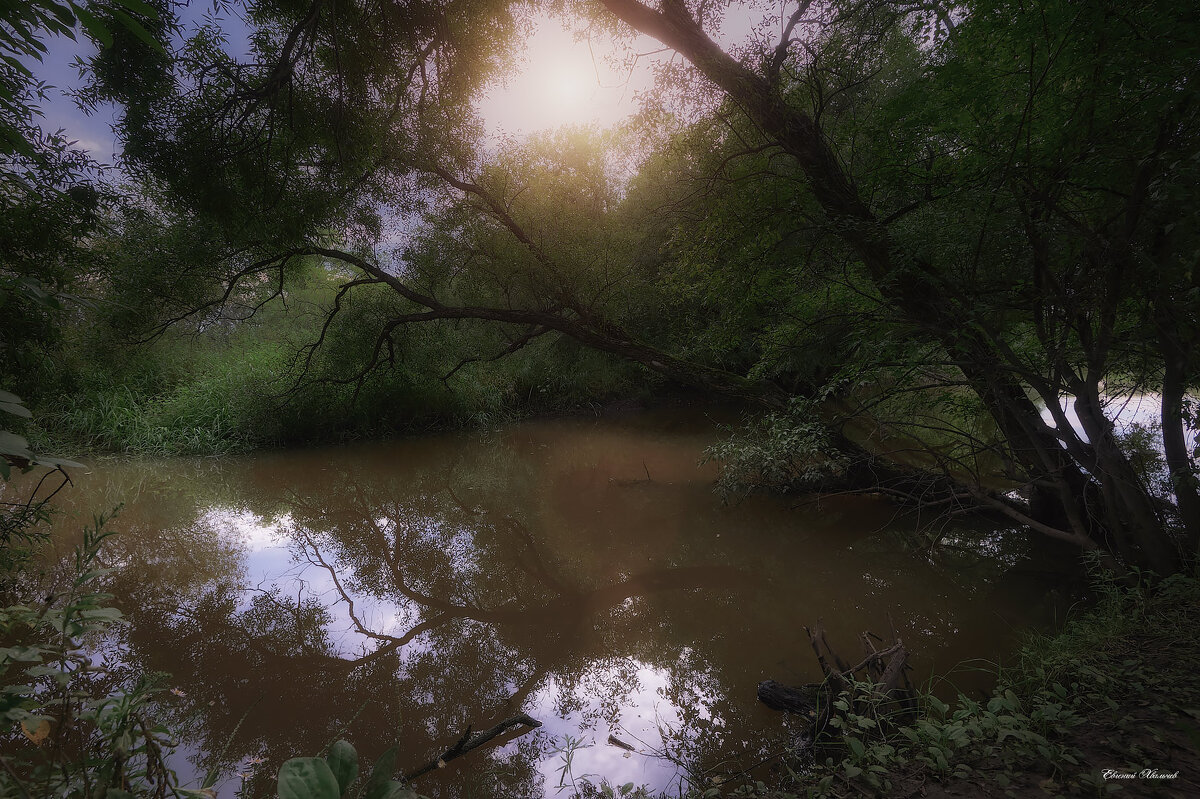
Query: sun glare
568	87
559	81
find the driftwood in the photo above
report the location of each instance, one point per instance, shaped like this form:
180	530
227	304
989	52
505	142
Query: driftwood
777	696
615	741
885	670
470	741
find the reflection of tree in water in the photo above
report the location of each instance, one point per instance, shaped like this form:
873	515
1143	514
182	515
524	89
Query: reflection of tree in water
478	581
484	615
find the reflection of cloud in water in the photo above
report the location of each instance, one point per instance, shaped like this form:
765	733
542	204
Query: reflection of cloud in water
639	717
247	529
271	562
640	721
583	573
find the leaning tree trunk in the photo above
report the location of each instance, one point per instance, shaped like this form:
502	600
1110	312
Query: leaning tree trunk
1179	463
916	289
1129	511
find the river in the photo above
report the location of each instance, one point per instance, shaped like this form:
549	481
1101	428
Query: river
582	571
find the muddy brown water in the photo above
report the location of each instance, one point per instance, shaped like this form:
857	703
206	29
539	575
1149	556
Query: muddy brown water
582	571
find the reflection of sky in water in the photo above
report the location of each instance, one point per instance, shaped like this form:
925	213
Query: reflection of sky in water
643	711
583	573
271	562
270	558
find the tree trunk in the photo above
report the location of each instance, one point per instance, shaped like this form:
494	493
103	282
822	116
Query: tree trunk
916	289
1179	463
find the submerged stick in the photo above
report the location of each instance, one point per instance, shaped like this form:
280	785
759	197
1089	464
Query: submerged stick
470	741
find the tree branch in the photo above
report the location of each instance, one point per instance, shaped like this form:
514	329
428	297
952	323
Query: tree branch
470	741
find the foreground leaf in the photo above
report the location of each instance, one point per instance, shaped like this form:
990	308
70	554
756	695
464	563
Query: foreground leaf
307	778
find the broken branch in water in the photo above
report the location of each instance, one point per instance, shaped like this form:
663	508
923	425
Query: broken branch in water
885	670
470	741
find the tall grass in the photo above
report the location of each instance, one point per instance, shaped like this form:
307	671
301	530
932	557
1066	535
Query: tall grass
207	396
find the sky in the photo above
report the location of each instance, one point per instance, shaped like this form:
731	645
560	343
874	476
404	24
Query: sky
58	69
60	112
562	79
565	80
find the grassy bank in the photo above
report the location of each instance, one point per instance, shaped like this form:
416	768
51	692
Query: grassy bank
207	397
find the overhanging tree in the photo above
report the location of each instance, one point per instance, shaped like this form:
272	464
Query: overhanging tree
1014	184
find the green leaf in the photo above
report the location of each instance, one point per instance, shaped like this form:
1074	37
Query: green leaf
92	24
63	13
16	64
15	409
138	7
856	746
398	790
135	27
6	396
343	762
381	775
307	778
13	444
42	460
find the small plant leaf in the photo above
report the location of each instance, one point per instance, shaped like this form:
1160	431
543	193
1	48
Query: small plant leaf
92	24
307	778
343	762
381	775
135	27
38	732
398	790
856	746
15	409
13	444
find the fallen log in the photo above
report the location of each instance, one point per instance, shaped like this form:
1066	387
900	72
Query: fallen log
884	670
470	741
777	696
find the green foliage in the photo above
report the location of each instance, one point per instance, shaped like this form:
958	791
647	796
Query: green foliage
380	785
1058	714
254	383
343	762
84	731
780	451
308	778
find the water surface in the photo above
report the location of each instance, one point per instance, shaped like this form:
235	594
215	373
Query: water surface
582	571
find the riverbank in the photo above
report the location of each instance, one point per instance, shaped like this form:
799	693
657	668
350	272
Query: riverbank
1110	705
125	422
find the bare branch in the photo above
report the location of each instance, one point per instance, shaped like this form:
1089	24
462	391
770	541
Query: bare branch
514	345
785	41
